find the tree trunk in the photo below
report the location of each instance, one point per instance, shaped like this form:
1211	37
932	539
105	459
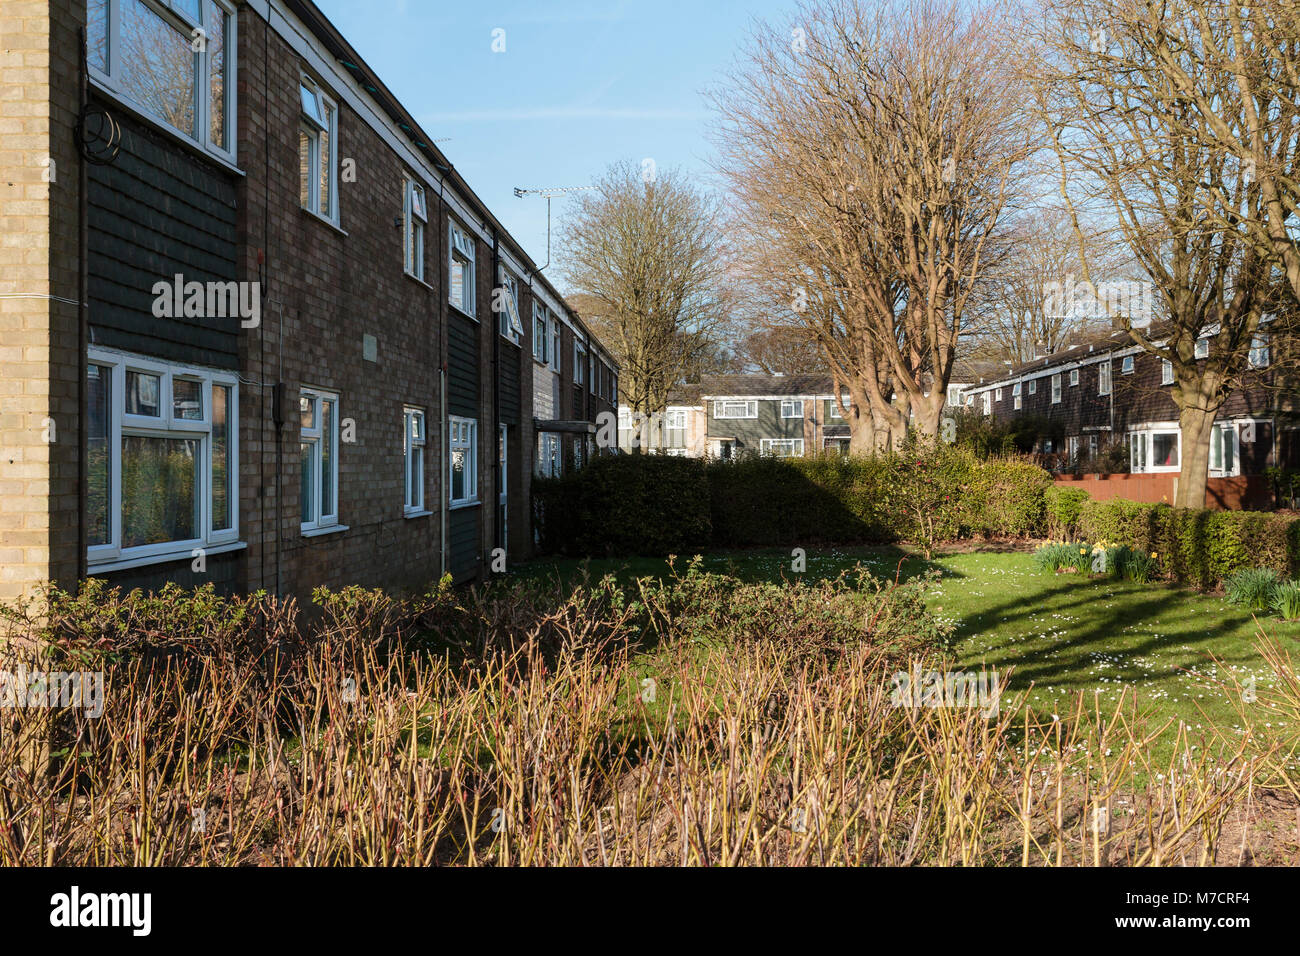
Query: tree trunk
1197	425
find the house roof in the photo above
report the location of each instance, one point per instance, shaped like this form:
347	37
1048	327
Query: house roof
773	385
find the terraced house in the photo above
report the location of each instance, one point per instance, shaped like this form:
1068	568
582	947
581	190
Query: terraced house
256	328
1105	405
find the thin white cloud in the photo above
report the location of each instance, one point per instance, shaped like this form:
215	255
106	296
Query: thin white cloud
560	113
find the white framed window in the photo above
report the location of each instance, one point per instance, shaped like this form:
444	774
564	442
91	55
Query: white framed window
577	456
541	335
1201	349
172	60
596	368
792	408
415	439
503	460
613	386
1155	448
462	461
1092	447
970	399
735	409
675	420
1033	386
462	272
318	436
1126	366
1056	389
318	152
1225	450
835	413
954	394
506	303
1103	378
1072	449
997	395
579	363
1074	377
781	447
675	452
988	403
557	339
1015	395
1259	351
548	455
624	417
162	460
1166	372
416	217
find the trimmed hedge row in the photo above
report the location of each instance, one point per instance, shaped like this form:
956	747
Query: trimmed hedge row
655	505
1196	546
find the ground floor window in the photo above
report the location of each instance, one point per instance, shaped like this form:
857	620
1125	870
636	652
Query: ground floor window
162	459
414	441
781	447
1157	448
462	443
318	436
548	455
1225	461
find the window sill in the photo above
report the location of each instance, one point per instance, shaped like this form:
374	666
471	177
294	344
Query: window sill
459	311
322	532
324	221
459	505
417	280
417	514
126	564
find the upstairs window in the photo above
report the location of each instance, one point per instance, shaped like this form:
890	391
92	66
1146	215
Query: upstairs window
1126	366
1202	349
792	408
557	340
1015	394
541	335
318	153
1259	351
506	303
579	363
1074	376
319	446
1166	372
1033	386
173	60
675	420
732	409
988	403
462	272
1056	389
416	215
1103	378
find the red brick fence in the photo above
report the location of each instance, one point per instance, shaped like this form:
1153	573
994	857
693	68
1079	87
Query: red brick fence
1249	492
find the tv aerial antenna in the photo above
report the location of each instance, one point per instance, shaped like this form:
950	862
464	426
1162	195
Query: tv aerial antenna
548	195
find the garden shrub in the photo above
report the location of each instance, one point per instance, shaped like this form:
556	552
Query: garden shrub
1063	506
1286	599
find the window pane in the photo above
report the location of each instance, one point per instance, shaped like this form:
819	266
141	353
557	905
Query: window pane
457	283
142	395
221	463
159	500
416	478
307	411
215	23
187	400
1164	449
305	163
327	458
307	490
157	66
187	6
98	454
326	197
97	34
458	478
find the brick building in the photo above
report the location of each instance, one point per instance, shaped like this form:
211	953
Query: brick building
1107	401
255	327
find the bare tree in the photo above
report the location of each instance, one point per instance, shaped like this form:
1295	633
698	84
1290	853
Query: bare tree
872	149
779	350
645	253
1016	312
1116	78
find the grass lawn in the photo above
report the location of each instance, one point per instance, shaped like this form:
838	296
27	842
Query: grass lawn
1061	635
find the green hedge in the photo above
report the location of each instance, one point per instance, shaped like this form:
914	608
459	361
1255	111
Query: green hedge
653	505
1196	546
1064	505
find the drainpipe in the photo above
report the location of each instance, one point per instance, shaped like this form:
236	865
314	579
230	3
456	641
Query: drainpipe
496	397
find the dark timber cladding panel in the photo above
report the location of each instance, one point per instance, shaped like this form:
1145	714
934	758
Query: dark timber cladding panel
462	367
154	213
463	540
508	375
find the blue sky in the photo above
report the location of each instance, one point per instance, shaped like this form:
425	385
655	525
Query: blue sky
581	84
